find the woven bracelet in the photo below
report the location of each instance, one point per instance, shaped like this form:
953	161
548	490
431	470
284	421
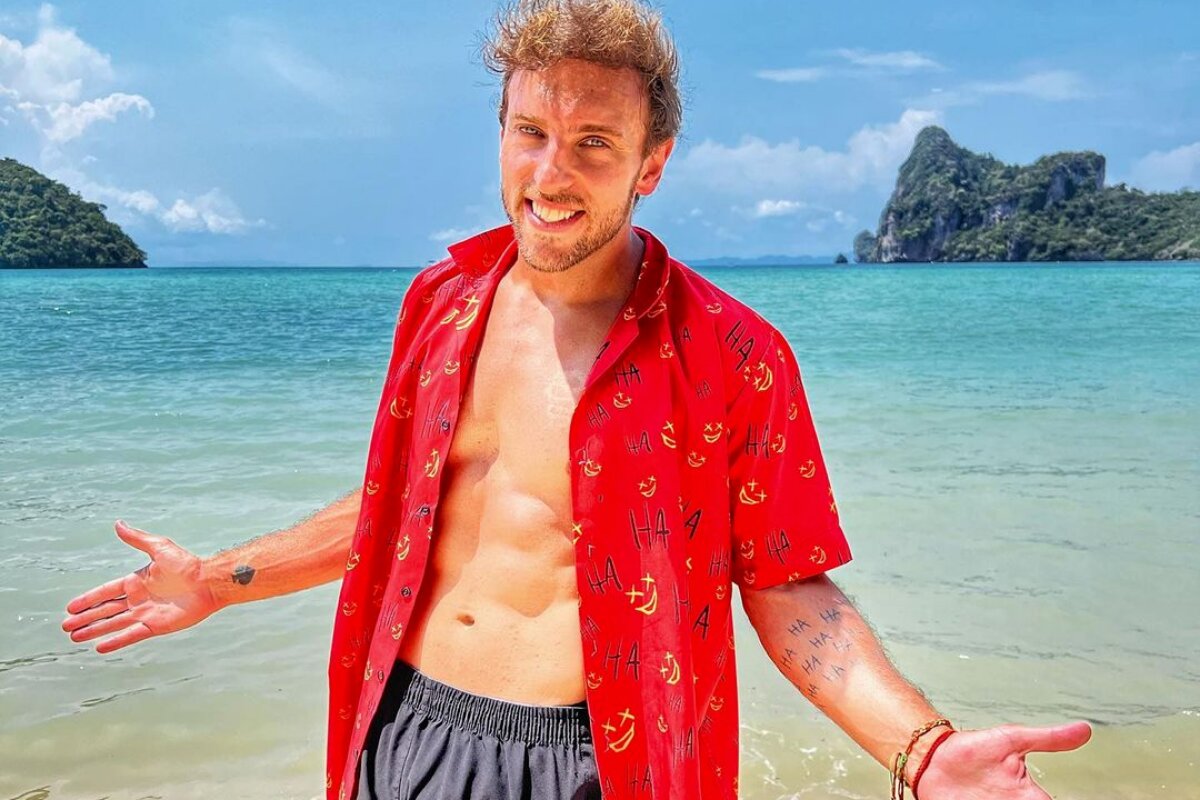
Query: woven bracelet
929	757
898	783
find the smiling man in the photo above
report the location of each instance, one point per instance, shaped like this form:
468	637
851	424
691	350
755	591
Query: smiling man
580	447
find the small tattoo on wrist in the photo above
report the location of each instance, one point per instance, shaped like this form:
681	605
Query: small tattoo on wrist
243	574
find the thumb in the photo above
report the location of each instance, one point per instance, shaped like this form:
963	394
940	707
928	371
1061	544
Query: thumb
135	537
1054	739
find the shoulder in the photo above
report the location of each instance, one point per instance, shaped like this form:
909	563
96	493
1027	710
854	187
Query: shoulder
464	270
742	332
432	287
434	276
700	293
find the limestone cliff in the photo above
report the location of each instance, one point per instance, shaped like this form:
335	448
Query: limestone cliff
951	204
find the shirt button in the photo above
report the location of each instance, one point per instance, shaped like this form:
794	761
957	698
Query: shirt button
406	592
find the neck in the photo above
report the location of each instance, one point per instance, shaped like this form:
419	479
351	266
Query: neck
604	277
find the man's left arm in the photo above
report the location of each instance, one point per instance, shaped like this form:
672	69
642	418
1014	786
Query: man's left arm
819	642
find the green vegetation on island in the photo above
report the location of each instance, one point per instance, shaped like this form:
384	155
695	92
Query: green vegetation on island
950	204
44	224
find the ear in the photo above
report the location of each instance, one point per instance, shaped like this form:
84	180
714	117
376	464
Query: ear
652	168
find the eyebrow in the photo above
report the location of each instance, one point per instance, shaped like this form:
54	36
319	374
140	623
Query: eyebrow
589	127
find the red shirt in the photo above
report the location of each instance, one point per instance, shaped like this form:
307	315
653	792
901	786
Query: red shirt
694	465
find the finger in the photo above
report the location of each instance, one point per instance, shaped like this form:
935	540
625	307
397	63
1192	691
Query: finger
102	611
98	629
131	635
136	537
108	591
1054	739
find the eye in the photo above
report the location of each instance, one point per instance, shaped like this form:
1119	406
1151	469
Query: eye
594	141
529	129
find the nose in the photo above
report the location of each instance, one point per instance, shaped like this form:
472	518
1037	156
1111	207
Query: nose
553	172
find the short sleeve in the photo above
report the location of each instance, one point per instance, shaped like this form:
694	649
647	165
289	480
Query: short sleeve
783	516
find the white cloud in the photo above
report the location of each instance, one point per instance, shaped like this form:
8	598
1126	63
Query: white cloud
55	67
839	218
905	60
46	80
53	82
62	122
793	75
777	208
1048	85
756	166
816	218
451	234
260	49
1053	85
864	63
211	212
476	217
1170	170
300	72
139	200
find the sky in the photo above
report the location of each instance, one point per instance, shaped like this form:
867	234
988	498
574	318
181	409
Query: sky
365	133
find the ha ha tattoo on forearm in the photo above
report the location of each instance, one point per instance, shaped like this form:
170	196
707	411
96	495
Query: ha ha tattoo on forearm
243	574
818	650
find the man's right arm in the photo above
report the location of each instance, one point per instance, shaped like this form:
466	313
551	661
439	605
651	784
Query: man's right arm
308	554
178	589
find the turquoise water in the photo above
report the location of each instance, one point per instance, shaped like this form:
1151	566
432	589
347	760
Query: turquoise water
1015	450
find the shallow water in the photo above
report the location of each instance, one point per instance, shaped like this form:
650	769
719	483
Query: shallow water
1015	450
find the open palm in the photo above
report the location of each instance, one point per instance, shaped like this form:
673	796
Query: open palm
165	596
990	764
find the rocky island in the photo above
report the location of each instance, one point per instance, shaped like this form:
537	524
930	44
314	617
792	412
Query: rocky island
44	224
951	204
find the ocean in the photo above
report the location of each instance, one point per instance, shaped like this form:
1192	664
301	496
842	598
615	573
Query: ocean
1015	450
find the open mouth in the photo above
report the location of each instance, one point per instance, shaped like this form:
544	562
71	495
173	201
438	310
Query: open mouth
550	218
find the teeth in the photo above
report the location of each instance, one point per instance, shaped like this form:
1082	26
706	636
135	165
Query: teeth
550	214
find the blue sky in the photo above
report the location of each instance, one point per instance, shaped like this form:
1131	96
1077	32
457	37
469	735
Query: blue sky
365	133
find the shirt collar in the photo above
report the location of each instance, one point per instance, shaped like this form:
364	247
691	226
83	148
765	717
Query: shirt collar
494	251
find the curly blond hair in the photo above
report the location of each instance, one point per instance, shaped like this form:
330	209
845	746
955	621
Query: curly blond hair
535	34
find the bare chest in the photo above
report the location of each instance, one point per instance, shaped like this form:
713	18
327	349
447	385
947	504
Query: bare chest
530	371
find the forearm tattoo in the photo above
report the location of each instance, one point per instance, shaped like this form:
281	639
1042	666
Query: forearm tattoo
243	574
818	651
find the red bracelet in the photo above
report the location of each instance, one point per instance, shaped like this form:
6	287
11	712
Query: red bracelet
928	758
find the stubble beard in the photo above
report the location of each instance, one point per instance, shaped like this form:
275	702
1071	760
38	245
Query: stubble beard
597	234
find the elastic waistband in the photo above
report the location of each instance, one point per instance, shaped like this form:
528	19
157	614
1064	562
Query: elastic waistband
536	725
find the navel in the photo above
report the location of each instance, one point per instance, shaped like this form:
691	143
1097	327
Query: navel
466	619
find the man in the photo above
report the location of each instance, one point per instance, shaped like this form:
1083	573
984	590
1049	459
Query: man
580	446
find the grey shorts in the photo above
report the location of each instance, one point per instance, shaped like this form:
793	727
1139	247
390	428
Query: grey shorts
431	741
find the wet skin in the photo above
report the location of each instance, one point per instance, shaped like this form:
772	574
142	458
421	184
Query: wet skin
498	613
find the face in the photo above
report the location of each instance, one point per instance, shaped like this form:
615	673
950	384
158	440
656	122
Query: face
572	159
